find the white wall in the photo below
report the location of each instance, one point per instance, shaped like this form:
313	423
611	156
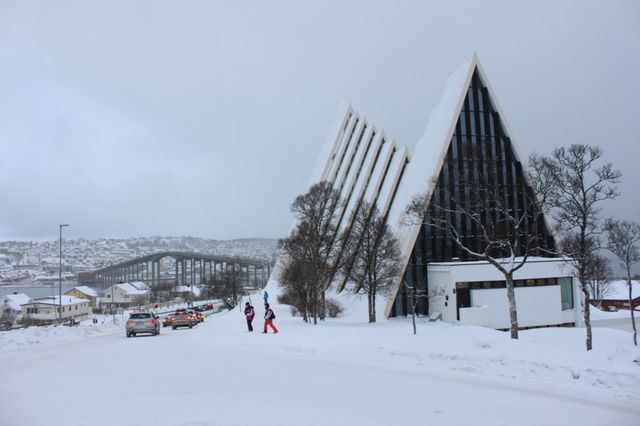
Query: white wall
536	305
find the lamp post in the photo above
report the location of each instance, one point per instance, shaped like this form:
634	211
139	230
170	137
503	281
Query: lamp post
60	278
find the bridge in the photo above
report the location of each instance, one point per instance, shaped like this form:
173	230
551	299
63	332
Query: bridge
182	268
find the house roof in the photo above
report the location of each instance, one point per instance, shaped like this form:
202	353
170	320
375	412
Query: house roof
188	289
128	288
85	290
55	300
15	300
620	291
140	285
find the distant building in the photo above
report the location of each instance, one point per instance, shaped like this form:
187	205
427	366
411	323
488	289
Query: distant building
618	295
44	310
126	294
84	292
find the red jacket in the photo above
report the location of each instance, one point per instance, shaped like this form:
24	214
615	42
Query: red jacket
249	312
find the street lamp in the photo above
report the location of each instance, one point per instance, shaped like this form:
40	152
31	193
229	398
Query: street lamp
60	278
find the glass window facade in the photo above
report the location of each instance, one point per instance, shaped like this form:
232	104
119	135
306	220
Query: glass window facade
566	292
479	149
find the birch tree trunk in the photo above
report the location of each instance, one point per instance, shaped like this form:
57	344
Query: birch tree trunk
372	307
633	321
513	313
587	317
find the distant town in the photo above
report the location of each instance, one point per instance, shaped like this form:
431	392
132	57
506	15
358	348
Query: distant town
31	262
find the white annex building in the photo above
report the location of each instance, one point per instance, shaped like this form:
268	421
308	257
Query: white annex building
364	163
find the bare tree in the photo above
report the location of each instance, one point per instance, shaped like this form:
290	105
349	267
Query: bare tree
313	242
297	290
161	291
416	293
7	317
623	237
375	254
579	187
226	286
481	218
598	277
140	299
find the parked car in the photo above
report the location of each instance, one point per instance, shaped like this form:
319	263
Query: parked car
195	317
183	318
143	322
166	320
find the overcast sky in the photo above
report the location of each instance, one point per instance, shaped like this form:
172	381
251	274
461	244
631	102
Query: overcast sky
133	118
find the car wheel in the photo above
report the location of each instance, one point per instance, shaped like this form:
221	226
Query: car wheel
190	326
128	334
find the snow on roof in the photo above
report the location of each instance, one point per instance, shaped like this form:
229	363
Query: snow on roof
188	289
128	288
15	300
55	300
618	290
86	290
428	157
140	285
530	259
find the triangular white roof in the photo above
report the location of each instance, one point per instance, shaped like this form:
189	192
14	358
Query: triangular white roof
430	152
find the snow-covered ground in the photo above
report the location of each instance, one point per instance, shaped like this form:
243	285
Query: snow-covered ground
343	371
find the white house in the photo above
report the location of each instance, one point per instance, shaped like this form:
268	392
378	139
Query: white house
126	294
11	306
45	310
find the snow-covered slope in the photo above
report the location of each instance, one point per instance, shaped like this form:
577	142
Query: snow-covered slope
341	372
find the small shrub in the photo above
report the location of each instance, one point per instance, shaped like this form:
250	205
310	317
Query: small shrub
334	308
284	299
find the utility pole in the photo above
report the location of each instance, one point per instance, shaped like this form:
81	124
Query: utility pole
60	278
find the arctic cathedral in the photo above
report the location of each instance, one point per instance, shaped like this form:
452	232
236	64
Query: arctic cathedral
365	164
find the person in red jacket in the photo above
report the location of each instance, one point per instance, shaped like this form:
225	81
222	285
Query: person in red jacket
269	316
249	313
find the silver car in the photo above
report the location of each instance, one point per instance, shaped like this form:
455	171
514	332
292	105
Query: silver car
143	322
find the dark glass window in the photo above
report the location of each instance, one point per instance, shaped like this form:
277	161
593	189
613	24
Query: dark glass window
479	143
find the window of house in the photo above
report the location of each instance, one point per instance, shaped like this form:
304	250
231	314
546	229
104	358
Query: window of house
566	292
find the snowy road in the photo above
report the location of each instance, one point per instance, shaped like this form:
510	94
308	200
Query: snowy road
218	374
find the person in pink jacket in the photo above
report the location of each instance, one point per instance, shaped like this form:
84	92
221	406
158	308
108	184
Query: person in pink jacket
269	316
249	313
